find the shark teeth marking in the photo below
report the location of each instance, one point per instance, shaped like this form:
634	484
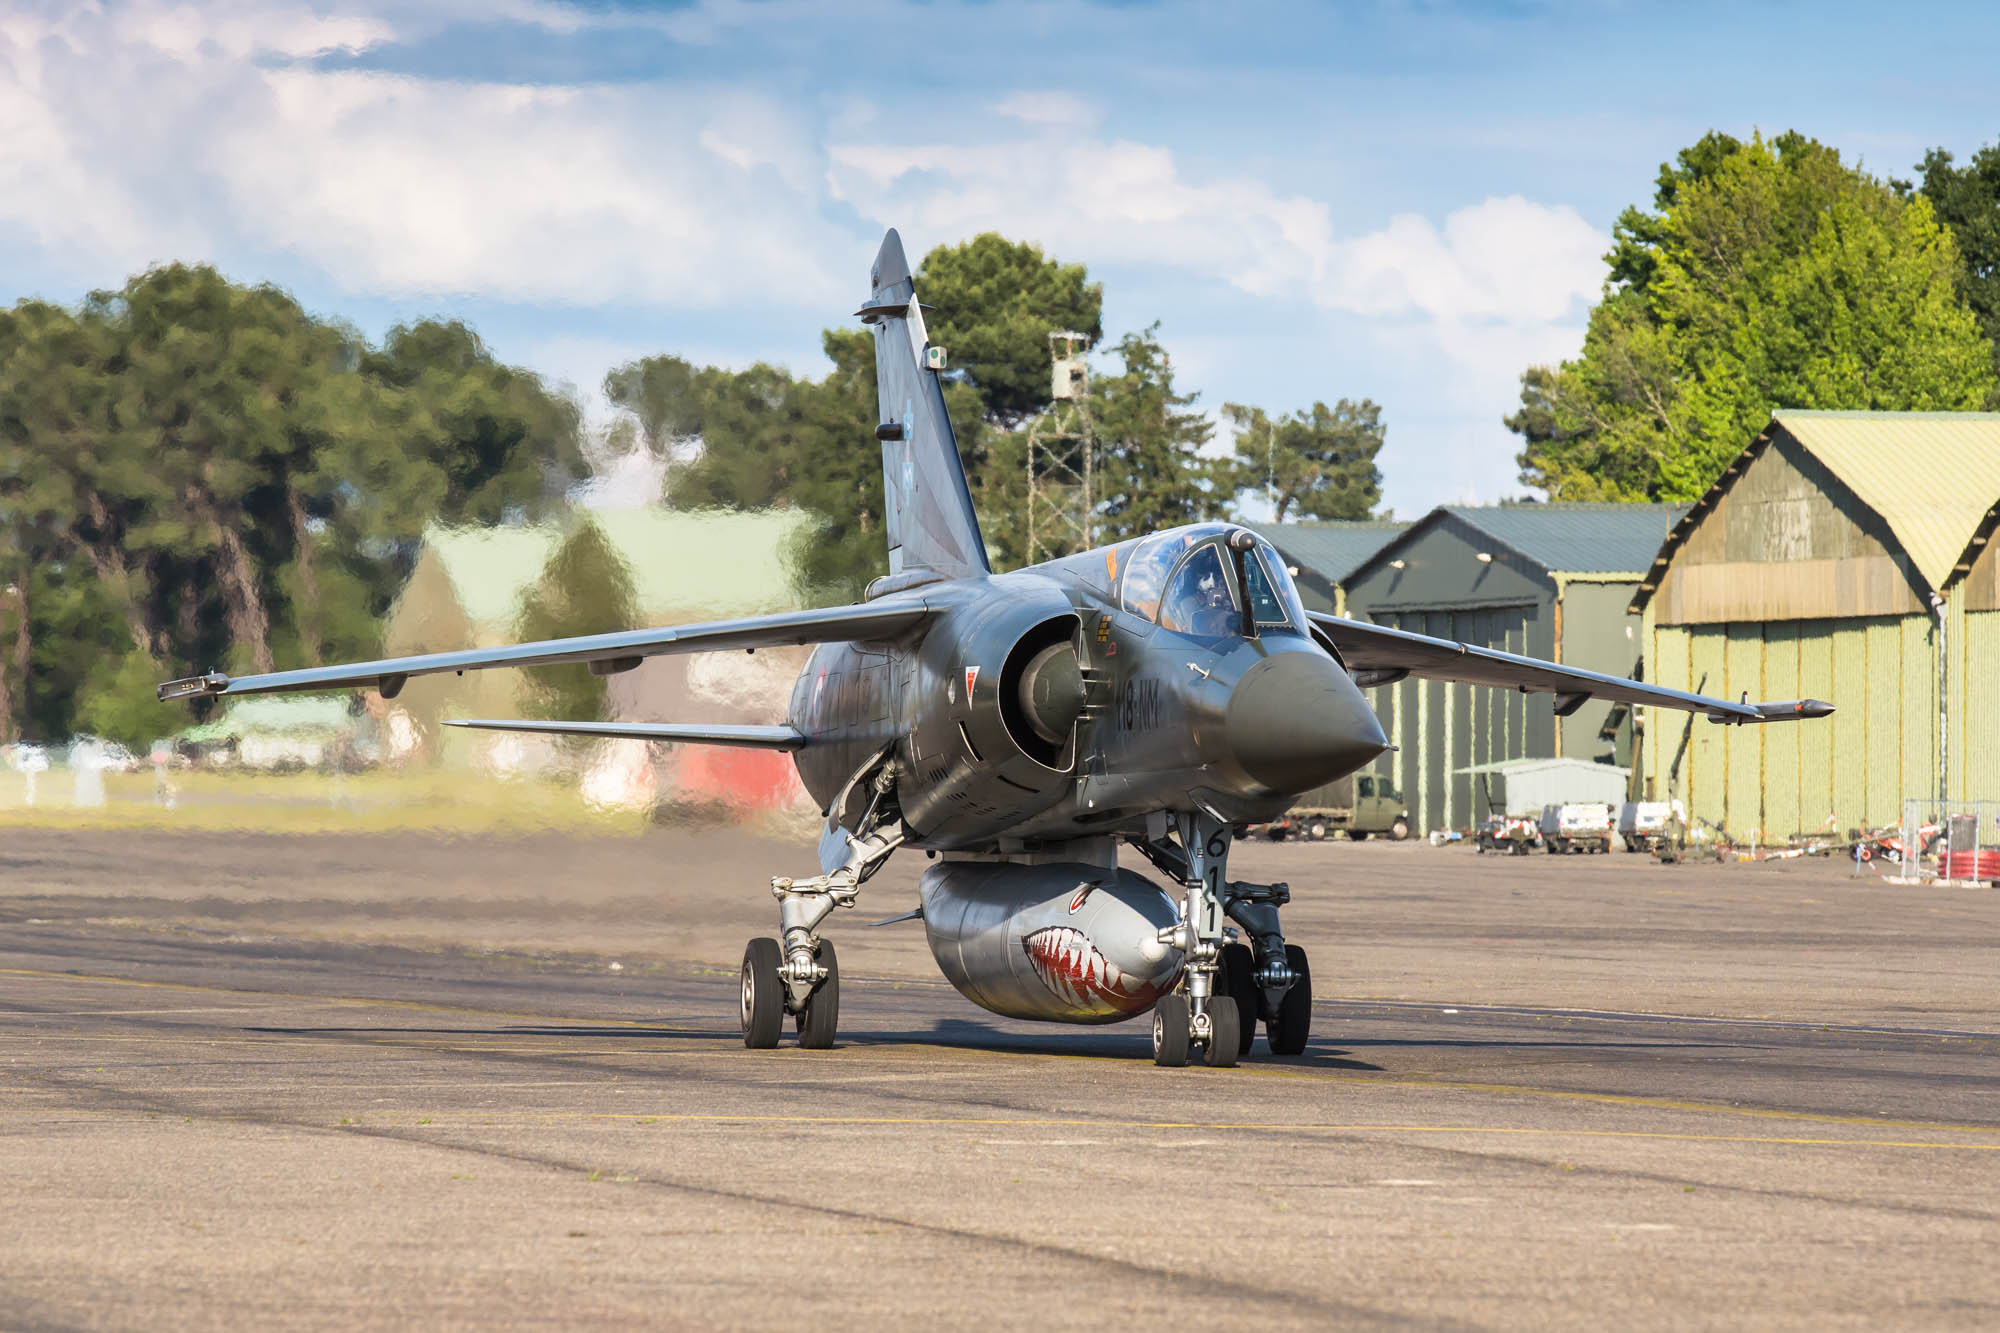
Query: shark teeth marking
1071	966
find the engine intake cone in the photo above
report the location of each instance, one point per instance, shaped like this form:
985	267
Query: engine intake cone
1051	692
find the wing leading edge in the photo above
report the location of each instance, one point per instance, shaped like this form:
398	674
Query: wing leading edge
1377	655
606	653
685	733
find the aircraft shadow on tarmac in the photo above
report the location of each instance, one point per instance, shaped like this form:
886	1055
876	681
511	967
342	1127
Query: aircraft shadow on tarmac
1125	1044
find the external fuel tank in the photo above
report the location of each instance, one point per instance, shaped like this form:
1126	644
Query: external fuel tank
1066	941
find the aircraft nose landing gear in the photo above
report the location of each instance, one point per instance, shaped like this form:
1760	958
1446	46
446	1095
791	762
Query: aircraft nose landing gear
1227	986
801	976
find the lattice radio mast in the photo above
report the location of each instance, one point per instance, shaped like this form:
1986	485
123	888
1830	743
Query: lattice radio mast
1062	457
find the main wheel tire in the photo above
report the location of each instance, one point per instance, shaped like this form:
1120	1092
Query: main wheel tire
763	994
1225	1033
1400	830
821	1017
1317	830
1287	1034
1237	979
1170	1031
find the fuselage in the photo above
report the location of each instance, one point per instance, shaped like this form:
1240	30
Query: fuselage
1177	695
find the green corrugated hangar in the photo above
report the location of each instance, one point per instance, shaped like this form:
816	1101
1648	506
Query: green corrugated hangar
1547	580
1845	556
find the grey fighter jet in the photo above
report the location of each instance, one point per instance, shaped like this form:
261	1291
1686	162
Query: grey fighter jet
1159	693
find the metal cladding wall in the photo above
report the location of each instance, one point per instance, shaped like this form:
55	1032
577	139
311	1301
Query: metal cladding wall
1854	769
1441	726
1507	602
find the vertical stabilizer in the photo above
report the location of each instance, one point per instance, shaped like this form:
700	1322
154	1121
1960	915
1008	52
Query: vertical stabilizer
931	522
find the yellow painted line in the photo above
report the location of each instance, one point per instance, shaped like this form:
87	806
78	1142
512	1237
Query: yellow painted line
1494	1089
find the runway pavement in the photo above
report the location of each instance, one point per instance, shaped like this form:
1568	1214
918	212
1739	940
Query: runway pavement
205	1127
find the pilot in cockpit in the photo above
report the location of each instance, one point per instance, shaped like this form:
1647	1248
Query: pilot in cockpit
1216	615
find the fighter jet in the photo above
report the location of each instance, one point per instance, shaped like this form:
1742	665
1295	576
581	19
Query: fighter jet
1019	728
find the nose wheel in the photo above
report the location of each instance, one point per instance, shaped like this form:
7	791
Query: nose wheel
1178	1031
763	995
767	997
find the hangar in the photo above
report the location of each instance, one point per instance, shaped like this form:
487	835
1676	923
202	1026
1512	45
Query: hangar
1546	580
1845	556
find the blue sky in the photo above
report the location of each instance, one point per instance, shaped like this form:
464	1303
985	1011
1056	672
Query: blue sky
1403	201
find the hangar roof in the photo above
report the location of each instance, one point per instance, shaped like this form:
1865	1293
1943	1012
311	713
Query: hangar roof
1561	538
1577	538
1933	477
1333	549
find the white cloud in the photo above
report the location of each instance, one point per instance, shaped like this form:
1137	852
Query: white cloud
1504	259
1047	107
138	134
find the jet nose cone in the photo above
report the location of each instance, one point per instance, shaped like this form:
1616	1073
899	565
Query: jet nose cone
1295	721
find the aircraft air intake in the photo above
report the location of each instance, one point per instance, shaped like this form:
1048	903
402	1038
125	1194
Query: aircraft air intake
1051	693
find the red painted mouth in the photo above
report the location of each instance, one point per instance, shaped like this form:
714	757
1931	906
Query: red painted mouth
1070	965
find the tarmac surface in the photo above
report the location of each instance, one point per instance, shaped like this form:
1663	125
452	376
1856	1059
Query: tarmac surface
399	1081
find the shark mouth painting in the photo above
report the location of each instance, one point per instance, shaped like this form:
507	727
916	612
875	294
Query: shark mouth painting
1070	965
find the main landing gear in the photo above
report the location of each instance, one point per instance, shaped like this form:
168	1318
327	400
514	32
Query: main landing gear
1227	986
799	974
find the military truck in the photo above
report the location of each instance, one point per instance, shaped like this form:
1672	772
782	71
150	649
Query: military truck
1359	804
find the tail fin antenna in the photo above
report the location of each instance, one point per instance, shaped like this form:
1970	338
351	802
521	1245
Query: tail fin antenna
932	524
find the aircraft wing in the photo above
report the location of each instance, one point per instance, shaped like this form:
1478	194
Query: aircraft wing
1378	655
691	733
606	653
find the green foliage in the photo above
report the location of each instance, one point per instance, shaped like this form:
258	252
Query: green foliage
1773	275
200	474
1152	474
1320	462
586	590
996	303
1967	200
118	702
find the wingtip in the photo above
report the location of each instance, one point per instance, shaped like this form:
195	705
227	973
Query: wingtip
890	265
193	687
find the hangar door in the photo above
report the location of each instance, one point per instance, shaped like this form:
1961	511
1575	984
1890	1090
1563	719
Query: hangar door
1441	727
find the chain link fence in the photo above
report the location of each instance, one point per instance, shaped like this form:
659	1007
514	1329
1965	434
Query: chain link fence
1952	842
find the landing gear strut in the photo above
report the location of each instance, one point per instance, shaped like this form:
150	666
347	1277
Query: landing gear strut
801	975
1227	986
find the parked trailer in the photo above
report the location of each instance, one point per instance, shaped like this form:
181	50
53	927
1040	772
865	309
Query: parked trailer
1642	824
1583	826
1359	804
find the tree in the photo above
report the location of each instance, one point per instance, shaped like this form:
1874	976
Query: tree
1153	475
996	302
197	473
587	589
1773	275
1967	200
1320	461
